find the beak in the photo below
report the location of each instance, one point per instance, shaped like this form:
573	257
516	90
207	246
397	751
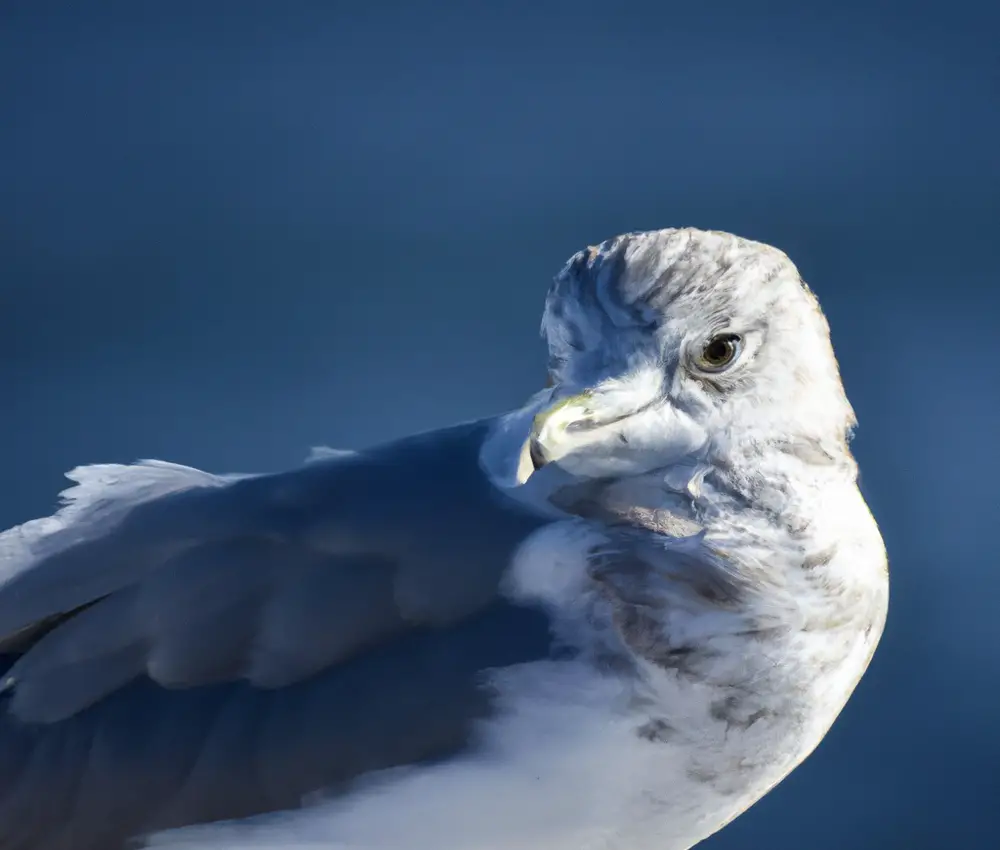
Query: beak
621	429
557	425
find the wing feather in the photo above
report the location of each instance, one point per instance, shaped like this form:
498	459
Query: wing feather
177	646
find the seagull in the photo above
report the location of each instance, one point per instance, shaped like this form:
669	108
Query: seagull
612	619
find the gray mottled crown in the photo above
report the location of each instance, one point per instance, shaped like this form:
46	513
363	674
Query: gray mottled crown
634	283
634	277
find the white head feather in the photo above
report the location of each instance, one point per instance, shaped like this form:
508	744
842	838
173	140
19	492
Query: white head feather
627	321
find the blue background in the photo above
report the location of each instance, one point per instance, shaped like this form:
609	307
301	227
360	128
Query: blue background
232	230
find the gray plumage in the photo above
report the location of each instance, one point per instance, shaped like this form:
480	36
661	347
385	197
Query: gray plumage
222	645
613	618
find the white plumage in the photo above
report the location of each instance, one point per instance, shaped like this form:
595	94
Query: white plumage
680	508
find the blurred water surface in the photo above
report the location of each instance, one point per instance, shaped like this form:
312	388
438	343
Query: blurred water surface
229	231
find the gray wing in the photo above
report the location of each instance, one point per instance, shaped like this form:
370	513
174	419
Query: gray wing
178	647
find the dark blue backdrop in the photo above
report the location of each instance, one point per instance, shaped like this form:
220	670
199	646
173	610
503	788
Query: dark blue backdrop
231	230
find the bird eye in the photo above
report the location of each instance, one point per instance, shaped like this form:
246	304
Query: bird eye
720	352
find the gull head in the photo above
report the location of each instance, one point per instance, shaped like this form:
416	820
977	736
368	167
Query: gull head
677	345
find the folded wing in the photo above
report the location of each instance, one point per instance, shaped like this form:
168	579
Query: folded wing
177	646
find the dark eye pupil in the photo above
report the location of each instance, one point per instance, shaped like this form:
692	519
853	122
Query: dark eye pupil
719	351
